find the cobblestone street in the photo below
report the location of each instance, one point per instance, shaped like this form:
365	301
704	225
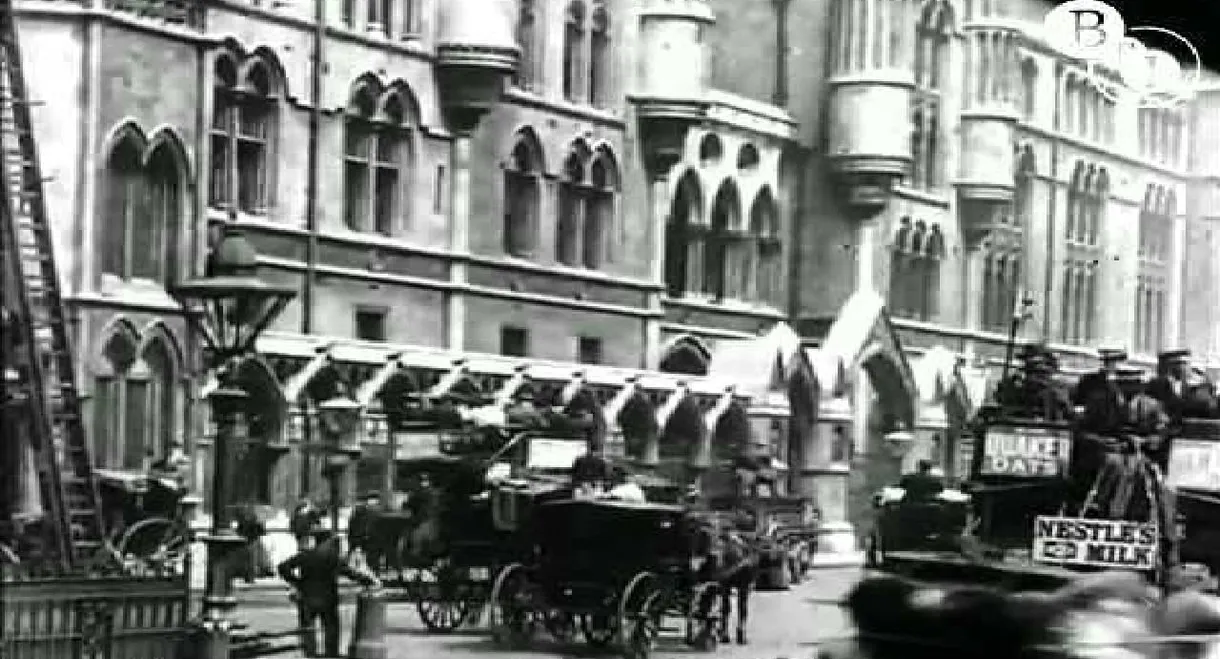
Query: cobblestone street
782	624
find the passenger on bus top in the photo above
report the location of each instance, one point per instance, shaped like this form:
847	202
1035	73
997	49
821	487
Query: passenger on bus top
1101	395
623	488
1169	385
921	485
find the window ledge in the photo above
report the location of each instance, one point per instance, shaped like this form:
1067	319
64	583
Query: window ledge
726	306
586	112
935	198
141	292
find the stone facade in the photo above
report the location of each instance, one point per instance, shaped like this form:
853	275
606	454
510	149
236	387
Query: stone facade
657	180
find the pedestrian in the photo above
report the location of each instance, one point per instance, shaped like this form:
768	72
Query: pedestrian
313	574
252	560
360	530
304	518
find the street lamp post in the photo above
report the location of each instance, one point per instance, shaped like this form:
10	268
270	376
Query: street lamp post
229	307
339	416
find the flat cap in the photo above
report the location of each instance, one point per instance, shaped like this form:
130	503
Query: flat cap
1112	353
1174	355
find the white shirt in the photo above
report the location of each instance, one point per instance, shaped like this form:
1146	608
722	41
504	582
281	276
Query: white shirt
628	492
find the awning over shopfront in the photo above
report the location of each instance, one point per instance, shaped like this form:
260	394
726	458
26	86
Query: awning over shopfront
766	364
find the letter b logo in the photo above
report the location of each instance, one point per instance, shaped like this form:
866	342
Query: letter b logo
1087	29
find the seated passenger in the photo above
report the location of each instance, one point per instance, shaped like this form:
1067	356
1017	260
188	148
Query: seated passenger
921	485
589	475
623	488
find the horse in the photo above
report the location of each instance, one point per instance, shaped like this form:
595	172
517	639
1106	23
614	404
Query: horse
1097	616
730	560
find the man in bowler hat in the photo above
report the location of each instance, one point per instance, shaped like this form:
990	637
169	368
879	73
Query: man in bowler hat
1170	384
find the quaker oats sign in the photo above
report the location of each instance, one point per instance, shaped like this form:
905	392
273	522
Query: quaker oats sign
1096	542
1028	452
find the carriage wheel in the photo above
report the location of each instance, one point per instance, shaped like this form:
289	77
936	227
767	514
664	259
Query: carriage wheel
702	615
440	605
511	621
639	633
155	542
598	629
561	625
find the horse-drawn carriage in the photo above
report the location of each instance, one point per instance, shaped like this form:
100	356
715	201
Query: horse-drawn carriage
469	487
616	571
146	519
1051	490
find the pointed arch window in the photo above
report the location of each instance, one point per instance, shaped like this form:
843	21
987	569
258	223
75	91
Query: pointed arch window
134	401
522	196
684	238
1088	195
574	51
123	213
377	159
527	25
1157	217
572	194
599	213
599	55
917	254
1029	89
242	131
764	266
719	281
931	48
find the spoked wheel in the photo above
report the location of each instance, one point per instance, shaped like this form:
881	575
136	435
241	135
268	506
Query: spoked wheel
636	626
511	614
561	625
639	632
441	604
156	544
702	616
598	629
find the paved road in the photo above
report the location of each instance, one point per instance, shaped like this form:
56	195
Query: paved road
782	625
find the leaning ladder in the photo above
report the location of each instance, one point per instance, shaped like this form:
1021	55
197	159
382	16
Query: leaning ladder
54	429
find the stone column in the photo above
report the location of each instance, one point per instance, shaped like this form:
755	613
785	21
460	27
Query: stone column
459	237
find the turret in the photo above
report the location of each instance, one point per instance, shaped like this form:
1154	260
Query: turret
871	82
475	53
989	116
669	99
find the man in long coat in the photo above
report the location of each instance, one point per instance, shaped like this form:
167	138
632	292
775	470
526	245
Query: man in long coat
1170	384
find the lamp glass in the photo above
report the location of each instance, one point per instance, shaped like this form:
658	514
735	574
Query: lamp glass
340	415
231	306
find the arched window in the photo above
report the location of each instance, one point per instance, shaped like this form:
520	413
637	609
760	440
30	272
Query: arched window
377	158
123	214
931	47
163	178
725	220
599	214
916	256
574	51
1029	89
527	25
1155	237
765	263
243	127
573	189
683	238
159	411
687	356
134	400
522	194
111	398
600	56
